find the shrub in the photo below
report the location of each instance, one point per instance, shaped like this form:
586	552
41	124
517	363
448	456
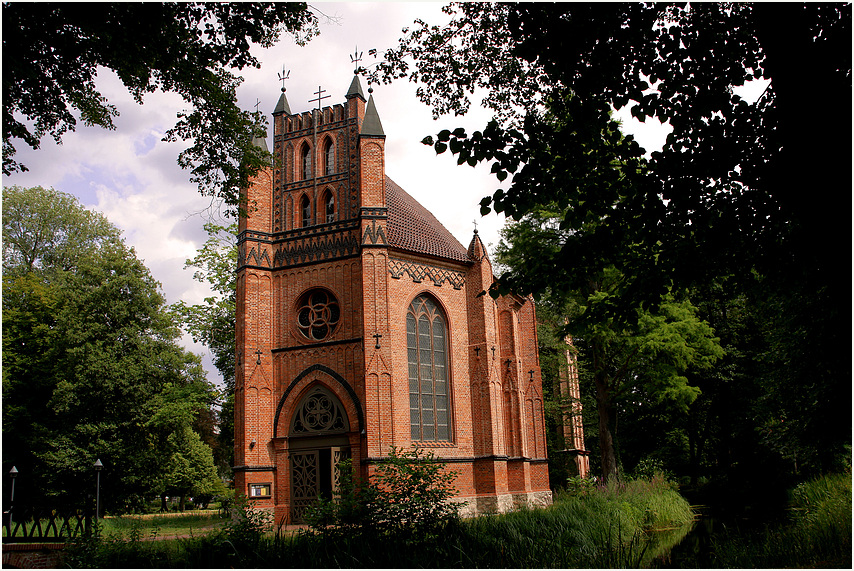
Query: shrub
407	497
248	524
578	486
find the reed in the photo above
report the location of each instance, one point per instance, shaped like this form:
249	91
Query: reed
817	533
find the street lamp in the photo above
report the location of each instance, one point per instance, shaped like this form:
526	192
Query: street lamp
98	466
13	473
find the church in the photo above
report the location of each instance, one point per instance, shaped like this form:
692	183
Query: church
360	327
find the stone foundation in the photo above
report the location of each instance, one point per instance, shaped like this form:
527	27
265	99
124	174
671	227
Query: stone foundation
503	503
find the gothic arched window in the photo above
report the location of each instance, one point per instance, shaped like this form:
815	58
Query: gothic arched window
329	206
329	157
305	210
306	162
429	394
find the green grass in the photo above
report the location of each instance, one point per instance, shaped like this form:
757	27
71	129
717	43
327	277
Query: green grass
163	525
617	526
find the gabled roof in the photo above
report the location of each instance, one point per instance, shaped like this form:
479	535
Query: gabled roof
412	228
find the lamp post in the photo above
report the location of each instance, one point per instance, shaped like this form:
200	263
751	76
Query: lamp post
98	467
13	473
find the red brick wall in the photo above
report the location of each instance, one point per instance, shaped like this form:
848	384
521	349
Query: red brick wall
496	404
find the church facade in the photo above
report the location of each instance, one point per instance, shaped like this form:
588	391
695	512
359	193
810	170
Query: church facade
360	327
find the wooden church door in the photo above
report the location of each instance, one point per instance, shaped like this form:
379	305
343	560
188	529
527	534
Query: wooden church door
317	443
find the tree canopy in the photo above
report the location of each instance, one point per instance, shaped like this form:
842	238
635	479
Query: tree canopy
726	192
212	322
90	358
52	52
755	195
647	358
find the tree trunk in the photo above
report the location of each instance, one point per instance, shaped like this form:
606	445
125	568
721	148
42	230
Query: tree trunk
603	407
606	440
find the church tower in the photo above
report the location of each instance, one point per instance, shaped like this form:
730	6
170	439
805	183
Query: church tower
359	327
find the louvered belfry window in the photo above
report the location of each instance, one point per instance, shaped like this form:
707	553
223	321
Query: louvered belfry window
329	154
429	394
306	163
305	208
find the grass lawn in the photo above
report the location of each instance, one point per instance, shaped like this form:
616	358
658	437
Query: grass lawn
187	524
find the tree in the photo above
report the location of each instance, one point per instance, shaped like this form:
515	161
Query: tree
723	199
51	53
49	233
212	323
88	355
645	359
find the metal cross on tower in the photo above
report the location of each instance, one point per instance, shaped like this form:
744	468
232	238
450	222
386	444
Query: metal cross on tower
319	97
257	103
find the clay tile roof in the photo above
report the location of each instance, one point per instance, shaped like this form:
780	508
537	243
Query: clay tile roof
412	228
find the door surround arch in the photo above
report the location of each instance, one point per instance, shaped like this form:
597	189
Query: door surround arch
351	404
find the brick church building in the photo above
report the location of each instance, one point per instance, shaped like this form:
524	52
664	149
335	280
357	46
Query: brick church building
360	327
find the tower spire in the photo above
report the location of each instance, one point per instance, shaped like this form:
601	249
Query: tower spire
282	106
372	126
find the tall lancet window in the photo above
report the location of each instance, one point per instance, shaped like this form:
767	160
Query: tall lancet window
429	394
329	157
306	162
329	206
305	209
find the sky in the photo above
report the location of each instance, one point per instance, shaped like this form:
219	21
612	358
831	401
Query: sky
131	176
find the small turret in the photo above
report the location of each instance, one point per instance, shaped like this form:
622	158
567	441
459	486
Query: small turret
372	126
356	89
282	106
476	250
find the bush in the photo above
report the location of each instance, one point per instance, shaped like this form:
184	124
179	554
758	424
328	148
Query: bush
408	497
248	524
578	486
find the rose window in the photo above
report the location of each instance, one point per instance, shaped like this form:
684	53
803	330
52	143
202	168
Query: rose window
318	315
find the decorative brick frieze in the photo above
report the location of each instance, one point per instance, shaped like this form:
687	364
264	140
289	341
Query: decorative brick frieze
310	249
422	272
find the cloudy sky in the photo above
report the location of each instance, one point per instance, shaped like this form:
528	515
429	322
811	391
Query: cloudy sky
131	176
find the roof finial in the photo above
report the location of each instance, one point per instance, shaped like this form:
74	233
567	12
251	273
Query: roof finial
475	225
257	103
283	76
356	58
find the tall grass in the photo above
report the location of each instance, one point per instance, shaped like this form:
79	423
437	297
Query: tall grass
620	525
818	533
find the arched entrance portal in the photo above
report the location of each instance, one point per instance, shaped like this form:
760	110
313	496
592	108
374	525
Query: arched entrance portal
317	442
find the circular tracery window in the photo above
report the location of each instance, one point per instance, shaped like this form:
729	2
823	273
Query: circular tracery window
318	314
